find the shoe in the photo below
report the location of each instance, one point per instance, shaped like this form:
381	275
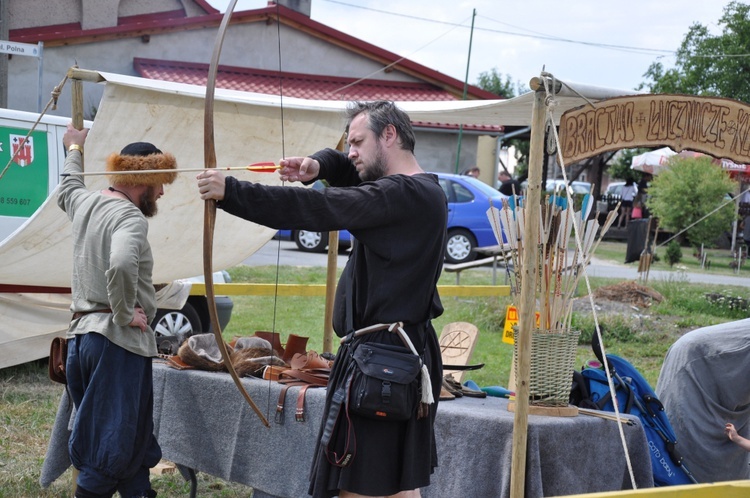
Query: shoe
452	386
445	395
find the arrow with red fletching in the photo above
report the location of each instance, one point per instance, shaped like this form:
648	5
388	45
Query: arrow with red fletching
264	167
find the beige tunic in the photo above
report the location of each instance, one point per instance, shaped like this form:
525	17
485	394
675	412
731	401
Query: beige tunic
112	263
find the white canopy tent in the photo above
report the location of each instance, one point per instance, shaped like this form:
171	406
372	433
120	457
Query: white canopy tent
653	161
248	129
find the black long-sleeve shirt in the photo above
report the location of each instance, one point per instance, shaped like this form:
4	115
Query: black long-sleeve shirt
398	222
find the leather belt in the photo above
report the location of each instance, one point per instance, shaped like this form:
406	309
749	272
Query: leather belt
79	314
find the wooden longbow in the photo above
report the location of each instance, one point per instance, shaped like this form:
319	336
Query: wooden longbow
209	213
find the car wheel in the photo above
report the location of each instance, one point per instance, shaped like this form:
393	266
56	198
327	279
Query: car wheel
459	247
311	241
174	326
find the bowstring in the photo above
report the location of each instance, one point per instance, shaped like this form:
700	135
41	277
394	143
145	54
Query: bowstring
552	103
278	241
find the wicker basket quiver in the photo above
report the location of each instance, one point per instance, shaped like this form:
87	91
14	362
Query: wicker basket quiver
553	355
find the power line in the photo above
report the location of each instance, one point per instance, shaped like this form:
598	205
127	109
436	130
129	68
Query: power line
535	35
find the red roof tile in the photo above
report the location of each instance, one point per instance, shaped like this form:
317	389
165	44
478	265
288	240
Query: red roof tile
176	20
304	86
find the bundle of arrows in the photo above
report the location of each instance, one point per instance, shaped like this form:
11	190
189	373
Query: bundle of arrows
561	261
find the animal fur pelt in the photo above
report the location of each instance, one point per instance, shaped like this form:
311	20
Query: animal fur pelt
202	352
248	356
166	162
252	360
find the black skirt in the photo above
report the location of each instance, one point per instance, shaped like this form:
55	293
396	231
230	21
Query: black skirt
390	456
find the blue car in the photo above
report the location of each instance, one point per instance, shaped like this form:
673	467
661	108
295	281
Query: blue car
468	226
314	241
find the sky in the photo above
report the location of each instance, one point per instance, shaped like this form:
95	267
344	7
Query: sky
606	43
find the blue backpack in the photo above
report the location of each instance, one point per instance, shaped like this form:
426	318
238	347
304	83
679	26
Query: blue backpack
634	397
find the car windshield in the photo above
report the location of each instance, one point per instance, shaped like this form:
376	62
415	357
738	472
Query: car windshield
576	187
483	187
581	187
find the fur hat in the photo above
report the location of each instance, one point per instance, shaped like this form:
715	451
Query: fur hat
140	156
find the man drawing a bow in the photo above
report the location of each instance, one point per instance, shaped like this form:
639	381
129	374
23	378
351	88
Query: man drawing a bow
397	214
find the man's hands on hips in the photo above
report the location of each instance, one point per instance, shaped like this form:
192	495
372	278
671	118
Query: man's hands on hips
139	319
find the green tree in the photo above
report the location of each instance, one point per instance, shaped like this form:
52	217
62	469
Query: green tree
502	85
620	168
688	190
674	253
711	65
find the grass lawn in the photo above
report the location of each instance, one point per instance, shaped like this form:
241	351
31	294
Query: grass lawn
28	400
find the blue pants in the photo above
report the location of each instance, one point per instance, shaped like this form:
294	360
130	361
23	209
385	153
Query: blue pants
112	443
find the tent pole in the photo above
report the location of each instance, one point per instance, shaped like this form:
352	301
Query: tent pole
332	268
527	305
77	114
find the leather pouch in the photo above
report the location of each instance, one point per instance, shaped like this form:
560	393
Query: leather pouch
58	355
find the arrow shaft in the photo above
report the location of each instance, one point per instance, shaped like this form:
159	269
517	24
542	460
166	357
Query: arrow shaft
257	169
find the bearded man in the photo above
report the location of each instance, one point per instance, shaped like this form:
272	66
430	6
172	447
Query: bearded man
397	214
110	342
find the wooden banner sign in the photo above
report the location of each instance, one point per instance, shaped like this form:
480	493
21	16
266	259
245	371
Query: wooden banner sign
715	126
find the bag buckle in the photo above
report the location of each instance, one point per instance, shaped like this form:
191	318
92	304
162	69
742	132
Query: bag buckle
385	392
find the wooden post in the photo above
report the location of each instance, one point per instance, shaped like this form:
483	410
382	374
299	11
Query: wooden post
527	305
77	103
77	77
77	117
333	254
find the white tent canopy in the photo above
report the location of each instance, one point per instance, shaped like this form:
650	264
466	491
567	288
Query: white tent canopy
653	161
248	129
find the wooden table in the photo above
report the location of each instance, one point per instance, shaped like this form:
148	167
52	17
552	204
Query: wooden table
203	423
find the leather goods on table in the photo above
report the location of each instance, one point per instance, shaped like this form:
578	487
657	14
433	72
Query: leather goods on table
307	370
294	344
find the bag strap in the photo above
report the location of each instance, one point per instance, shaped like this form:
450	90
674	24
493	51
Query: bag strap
396	327
335	416
317	377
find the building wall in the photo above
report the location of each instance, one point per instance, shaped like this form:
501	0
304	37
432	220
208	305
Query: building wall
246	45
90	13
436	150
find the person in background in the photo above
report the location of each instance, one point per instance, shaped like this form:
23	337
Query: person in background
110	342
746	233
508	185
744	213
740	441
627	194
642	195
473	171
397	214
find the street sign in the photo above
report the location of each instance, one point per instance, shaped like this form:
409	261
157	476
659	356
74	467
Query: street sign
13	48
9	47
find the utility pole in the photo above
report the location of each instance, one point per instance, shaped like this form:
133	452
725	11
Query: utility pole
4	32
466	85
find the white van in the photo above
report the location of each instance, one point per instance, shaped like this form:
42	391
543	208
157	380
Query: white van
33	315
576	187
